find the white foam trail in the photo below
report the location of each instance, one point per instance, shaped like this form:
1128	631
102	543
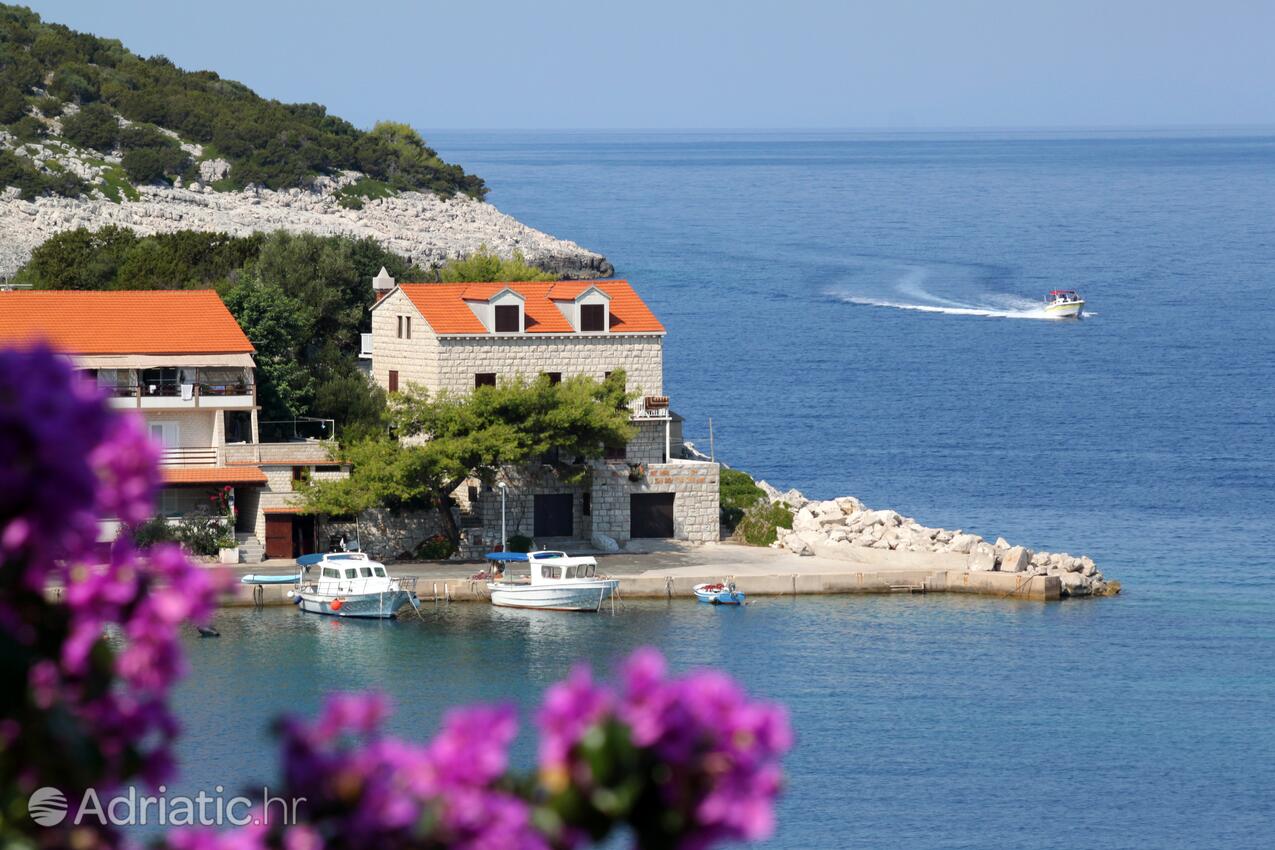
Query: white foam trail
951	310
911	282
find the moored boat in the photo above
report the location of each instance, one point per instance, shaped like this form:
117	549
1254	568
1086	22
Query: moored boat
349	584
1064	304
719	593
557	582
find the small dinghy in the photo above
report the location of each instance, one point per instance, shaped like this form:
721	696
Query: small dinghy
263	578
719	594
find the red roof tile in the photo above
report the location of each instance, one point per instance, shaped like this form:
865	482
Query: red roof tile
443	305
189	321
213	475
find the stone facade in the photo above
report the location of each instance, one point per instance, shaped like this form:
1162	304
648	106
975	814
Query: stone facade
695	485
601	504
451	362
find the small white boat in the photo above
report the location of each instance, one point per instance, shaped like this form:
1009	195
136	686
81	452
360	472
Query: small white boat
558	582
1064	304
719	593
350	584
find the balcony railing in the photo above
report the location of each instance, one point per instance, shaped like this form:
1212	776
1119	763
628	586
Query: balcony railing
188	456
652	407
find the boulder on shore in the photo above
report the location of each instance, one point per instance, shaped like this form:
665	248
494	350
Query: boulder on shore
1015	559
982	558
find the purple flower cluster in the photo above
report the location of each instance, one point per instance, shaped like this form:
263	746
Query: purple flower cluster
96	710
712	757
365	789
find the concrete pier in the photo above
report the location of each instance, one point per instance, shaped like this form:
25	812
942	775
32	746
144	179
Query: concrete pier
438	586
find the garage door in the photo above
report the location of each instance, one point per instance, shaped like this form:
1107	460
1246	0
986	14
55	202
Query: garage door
553	515
651	515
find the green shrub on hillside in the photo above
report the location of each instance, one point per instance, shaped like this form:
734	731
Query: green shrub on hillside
95	126
12	105
737	493
278	145
483	265
759	523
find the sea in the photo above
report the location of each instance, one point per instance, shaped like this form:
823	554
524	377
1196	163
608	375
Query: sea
860	314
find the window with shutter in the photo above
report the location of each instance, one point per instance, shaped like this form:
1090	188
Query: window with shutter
593	317
508	319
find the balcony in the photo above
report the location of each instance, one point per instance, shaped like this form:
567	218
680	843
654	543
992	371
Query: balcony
175	389
652	407
188	456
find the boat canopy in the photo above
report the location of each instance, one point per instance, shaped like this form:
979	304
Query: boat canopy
1062	292
506	556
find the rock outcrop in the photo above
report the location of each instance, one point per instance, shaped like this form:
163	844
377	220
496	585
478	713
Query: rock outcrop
423	227
835	528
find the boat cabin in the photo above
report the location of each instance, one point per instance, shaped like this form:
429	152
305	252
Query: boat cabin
1064	296
557	566
351	572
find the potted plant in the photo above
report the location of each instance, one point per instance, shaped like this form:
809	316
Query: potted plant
228	550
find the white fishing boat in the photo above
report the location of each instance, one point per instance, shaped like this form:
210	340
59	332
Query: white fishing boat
557	582
1064	304
350	584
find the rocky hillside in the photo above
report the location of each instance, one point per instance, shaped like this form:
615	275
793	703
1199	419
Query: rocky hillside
92	135
425	228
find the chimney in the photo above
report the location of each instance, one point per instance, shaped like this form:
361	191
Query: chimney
382	284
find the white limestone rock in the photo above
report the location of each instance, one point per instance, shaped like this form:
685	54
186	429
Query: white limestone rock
982	557
964	543
1015	559
1074	584
604	543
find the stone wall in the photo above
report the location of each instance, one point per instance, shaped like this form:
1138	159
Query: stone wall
696	508
524	483
640	355
385	534
415	359
648	445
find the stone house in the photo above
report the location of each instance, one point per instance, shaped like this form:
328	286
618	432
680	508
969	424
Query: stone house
459	336
180	361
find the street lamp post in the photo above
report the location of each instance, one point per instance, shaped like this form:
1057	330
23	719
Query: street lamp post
504	539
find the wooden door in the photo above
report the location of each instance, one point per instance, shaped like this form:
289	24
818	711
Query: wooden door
651	514
279	536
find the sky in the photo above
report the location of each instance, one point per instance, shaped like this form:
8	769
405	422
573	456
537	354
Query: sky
757	64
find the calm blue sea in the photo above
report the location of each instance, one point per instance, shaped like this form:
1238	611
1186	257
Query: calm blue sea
856	314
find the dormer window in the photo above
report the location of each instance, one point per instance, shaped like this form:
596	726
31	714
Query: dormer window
508	318
593	317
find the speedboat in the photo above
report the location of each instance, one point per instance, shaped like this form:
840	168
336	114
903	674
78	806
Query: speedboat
1064	304
350	584
719	593
558	582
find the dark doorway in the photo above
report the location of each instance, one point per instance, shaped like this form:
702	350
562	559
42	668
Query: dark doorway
553	515
651	514
303	542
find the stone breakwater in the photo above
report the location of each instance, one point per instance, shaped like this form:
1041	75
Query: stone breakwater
845	527
424	227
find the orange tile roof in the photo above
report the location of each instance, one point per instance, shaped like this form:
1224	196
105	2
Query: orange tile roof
213	475
443	305
292	461
187	321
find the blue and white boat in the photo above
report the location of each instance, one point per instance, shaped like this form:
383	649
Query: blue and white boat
558	582
350	584
719	593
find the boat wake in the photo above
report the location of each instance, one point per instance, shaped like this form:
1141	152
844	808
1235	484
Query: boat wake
951	289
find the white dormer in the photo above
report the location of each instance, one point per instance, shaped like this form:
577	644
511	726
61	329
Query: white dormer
588	312
504	312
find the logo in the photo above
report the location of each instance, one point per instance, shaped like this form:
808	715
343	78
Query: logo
47	806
